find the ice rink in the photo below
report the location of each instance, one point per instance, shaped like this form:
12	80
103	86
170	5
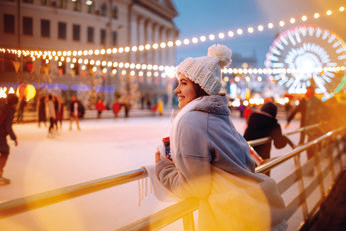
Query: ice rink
102	148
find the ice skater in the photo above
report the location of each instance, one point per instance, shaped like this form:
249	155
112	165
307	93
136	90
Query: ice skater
6	118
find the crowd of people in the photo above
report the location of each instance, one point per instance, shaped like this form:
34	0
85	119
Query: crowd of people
50	108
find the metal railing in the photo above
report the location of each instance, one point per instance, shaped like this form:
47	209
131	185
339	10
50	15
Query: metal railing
300	200
184	209
39	200
268	139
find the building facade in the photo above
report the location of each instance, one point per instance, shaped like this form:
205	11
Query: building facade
88	25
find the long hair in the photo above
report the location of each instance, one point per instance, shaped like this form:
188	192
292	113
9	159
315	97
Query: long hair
199	91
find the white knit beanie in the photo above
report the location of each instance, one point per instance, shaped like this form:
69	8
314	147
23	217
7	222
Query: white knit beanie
206	70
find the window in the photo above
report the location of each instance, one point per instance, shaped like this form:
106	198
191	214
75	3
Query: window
77	5
103	37
9	23
45	2
62	4
114	38
90	4
27	26
61	30
103	9
76	32
115	13
45	28
90	34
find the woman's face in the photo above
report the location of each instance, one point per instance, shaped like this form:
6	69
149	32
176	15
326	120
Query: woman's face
185	90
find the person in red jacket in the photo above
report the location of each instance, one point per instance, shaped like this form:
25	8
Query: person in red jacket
247	112
100	107
116	108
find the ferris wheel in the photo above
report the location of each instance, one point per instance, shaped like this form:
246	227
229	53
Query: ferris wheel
307	55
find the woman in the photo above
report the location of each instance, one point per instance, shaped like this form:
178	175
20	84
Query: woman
211	160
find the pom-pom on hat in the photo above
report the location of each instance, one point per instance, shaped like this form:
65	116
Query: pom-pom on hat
206	70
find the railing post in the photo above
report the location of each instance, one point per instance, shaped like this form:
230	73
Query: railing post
341	150
330	155
319	171
302	195
188	222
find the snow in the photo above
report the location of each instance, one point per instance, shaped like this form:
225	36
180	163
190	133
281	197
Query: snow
102	148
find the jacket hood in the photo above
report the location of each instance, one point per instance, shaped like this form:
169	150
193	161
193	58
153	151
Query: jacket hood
213	104
260	120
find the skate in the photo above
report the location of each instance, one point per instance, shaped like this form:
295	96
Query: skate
4	181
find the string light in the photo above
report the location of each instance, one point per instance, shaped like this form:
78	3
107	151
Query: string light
162	45
171	69
221	35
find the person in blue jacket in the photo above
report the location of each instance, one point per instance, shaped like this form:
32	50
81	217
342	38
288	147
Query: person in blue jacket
211	161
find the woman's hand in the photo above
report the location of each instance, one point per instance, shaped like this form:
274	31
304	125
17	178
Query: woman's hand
157	156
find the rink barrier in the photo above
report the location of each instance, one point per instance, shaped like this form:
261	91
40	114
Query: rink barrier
331	141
